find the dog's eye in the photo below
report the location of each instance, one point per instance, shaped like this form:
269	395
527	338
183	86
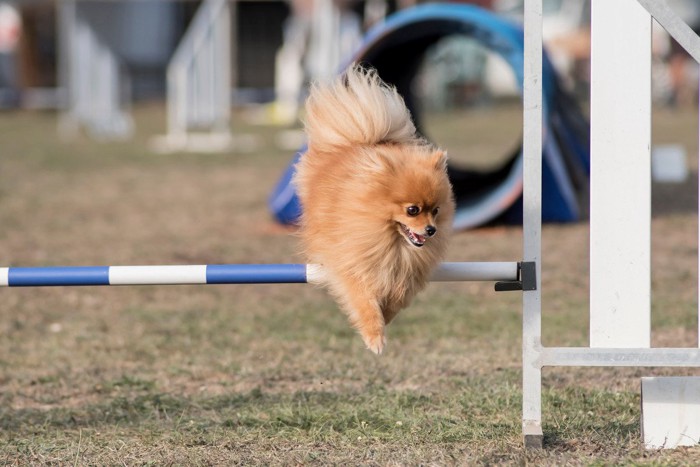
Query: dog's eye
412	210
435	211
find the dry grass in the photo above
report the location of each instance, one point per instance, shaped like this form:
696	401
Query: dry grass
273	375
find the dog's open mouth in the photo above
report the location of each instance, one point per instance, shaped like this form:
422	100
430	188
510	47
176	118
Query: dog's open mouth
414	238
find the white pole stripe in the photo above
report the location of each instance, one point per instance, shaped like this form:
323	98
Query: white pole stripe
492	271
448	272
314	273
153	275
4	277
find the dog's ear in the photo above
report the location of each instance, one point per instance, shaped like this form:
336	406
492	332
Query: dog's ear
438	159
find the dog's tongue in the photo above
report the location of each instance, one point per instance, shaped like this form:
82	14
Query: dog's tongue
418	238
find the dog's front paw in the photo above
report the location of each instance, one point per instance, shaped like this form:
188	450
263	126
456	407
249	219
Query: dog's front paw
374	341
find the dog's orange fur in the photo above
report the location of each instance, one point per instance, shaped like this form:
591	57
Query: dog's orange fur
364	168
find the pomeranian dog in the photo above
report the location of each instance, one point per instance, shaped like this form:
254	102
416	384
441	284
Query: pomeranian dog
377	204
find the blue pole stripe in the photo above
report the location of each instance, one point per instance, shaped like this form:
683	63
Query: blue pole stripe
256	273
48	276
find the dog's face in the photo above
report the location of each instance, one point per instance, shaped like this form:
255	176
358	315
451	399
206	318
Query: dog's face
422	201
418	222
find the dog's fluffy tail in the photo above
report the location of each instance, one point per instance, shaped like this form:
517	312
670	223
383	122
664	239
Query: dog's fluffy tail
358	108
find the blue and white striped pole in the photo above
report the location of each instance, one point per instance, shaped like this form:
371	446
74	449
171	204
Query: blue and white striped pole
223	274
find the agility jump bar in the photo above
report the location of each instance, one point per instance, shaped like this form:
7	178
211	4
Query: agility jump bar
223	274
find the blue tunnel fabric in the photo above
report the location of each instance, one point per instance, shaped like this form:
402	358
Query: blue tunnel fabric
396	49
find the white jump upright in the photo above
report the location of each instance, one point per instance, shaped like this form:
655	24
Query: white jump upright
532	220
620	207
620	216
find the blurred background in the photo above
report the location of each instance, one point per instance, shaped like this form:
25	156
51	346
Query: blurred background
215	67
276	47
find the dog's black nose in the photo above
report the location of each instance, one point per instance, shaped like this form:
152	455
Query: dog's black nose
430	230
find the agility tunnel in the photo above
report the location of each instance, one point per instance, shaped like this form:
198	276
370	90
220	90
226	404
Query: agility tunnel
397	48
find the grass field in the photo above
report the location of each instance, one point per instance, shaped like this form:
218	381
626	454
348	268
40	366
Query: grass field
254	374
